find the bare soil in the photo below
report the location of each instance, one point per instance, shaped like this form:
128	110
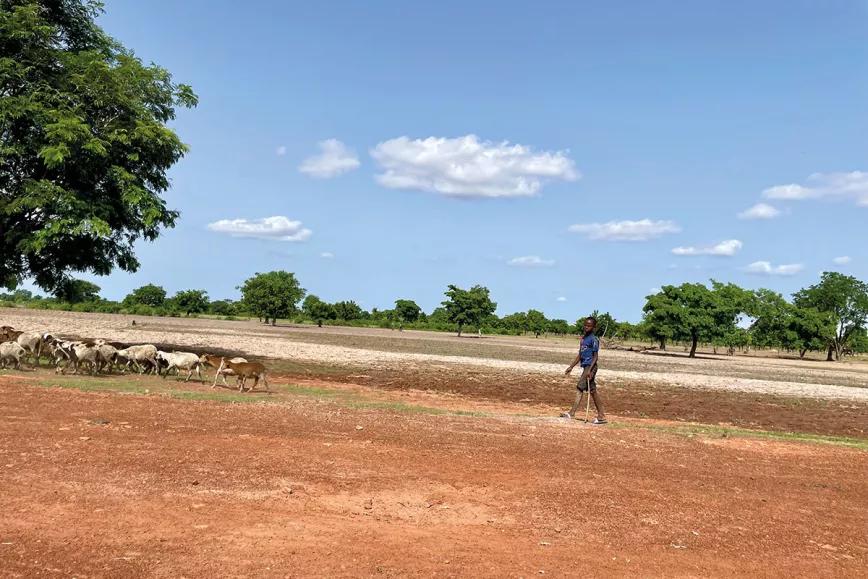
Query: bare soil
407	454
112	485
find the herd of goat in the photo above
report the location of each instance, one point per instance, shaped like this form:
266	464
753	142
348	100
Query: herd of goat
99	356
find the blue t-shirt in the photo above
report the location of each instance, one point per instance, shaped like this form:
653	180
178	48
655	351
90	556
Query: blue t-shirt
590	346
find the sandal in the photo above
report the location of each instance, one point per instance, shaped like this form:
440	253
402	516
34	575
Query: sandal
566	415
599	421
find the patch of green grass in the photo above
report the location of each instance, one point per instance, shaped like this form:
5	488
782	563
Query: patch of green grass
404	408
90	384
313	392
217	396
710	430
342	398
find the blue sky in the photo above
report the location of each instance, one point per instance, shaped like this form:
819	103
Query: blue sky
675	115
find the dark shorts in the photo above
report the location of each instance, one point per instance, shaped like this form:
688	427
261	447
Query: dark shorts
591	384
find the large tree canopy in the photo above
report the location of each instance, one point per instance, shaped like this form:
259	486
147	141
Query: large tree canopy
84	146
468	307
693	312
845	299
272	295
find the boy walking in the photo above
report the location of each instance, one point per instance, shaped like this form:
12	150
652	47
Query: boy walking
587	357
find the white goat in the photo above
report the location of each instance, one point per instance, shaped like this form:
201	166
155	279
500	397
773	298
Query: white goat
32	342
107	355
88	353
181	361
144	357
11	351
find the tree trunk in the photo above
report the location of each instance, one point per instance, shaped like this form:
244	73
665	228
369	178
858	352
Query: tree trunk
693	346
802	354
829	357
273	321
662	344
459	330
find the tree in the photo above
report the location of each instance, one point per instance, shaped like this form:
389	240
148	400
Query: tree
191	301
75	291
468	307
407	310
808	329
693	312
778	323
606	324
662	316
147	295
317	310
223	308
516	323
771	316
348	311
85	144
536	322
271	295
845	298
559	327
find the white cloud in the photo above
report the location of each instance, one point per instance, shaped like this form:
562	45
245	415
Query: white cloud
278	228
327	255
726	248
561	299
531	261
467	167
333	160
843	260
641	230
281	151
760	211
852	185
655	290
766	268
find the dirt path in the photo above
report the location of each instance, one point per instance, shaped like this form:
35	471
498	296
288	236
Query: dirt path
131	486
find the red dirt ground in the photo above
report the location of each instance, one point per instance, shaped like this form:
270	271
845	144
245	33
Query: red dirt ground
113	485
636	399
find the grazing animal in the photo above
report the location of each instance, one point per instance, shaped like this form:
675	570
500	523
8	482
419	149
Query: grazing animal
181	361
32	342
9	334
108	355
245	370
221	369
143	357
11	352
62	353
86	352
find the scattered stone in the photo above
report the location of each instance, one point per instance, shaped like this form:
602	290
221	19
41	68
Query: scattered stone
360	427
101	421
84	438
544	543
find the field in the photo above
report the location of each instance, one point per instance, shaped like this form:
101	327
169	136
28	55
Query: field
385	453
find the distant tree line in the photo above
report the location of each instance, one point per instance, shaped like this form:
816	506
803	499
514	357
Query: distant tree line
830	316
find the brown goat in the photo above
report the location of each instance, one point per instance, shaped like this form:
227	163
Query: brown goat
245	370
221	370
